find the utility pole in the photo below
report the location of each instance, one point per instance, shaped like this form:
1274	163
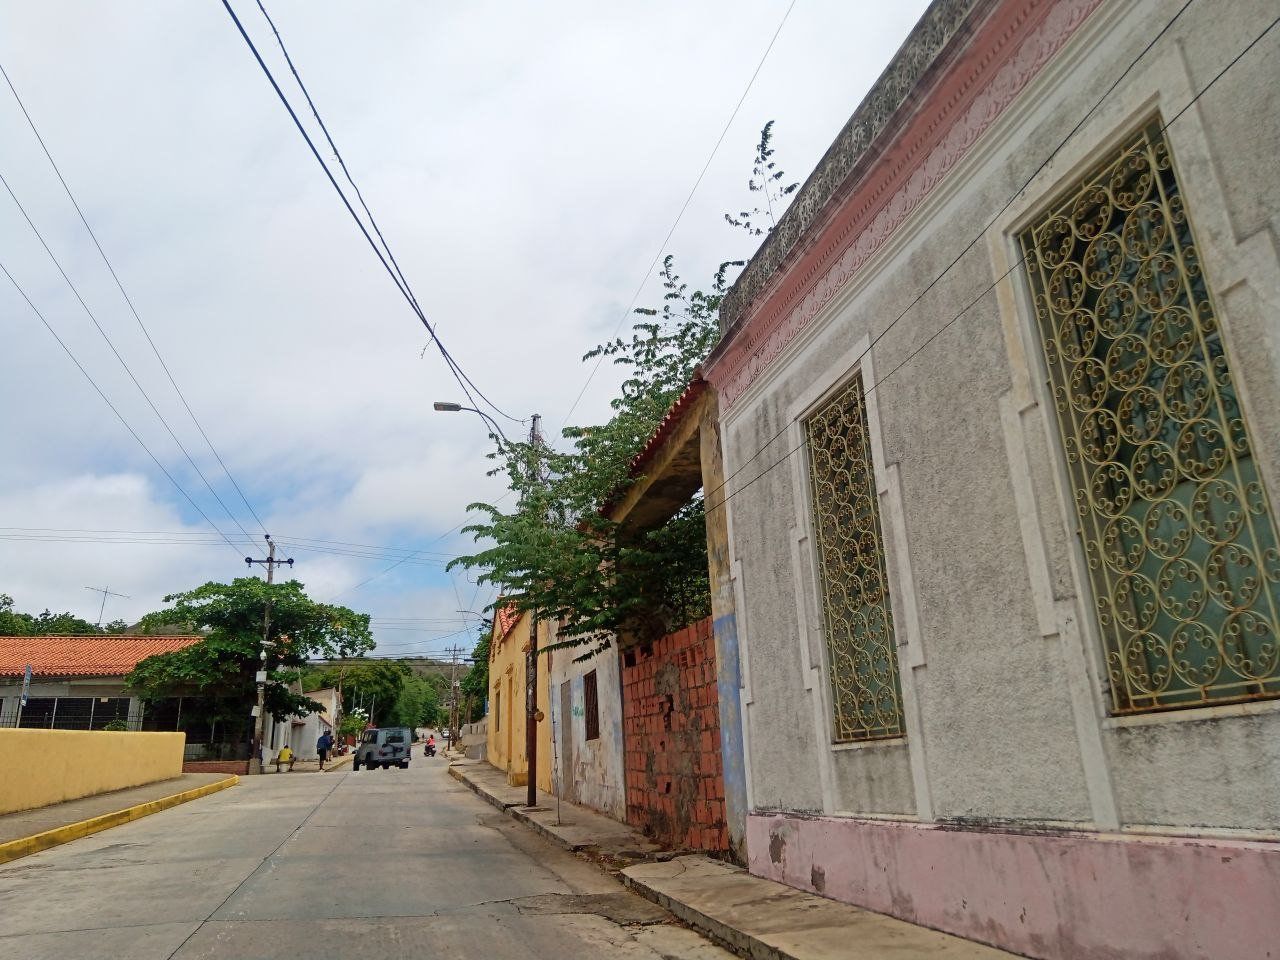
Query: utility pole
531	656
454	653
259	712
106	592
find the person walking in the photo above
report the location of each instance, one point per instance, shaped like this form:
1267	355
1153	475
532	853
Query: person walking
323	745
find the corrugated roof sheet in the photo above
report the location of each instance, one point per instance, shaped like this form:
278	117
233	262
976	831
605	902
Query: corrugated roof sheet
94	656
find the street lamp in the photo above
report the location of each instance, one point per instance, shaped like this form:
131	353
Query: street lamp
445	406
531	656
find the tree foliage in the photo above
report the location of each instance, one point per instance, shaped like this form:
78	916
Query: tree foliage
219	668
557	552
14	623
420	701
474	687
371	685
766	177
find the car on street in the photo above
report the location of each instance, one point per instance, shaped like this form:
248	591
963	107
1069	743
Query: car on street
384	747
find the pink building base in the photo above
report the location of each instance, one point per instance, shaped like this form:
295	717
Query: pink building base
1050	895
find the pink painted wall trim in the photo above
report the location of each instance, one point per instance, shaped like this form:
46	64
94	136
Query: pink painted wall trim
1009	50
1070	896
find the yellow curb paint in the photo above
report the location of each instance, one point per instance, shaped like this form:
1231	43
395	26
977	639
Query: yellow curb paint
26	846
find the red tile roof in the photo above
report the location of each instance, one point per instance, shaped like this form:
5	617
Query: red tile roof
669	422
95	656
504	620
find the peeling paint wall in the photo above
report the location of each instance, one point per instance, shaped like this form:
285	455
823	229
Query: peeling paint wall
1066	896
587	771
1012	784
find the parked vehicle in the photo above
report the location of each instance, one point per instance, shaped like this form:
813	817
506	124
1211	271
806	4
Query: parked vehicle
383	747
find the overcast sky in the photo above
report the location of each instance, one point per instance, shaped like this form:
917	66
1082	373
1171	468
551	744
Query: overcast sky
525	161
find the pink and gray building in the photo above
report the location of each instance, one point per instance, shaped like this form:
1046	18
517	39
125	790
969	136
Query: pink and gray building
999	403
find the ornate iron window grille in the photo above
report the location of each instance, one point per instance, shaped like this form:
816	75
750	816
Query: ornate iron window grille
1178	533
862	657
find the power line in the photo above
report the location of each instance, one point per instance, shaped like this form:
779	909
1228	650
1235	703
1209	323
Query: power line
458	371
683	207
123	363
1000	279
973	242
404	289
119	417
127	299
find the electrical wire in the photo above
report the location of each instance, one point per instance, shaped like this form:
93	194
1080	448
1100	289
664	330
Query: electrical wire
127	299
405	292
458	371
119	416
123	363
915	301
1000	279
680	214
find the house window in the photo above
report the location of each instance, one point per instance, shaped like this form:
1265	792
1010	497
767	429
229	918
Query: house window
591	705
862	658
1178	534
497	708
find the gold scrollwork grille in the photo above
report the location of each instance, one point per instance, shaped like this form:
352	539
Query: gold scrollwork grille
1177	529
862	658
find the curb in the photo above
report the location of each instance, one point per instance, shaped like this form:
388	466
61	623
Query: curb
735	941
25	846
514	812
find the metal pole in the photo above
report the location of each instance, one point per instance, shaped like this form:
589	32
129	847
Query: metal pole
531	661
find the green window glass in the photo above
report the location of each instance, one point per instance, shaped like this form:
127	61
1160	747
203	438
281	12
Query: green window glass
1177	529
862	658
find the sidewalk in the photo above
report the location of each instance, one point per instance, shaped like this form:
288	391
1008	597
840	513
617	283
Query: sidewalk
577	829
751	916
312	766
29	831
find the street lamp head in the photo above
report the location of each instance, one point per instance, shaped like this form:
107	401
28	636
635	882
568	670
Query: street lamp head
443	406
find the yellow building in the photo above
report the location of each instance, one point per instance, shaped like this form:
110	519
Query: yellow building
507	714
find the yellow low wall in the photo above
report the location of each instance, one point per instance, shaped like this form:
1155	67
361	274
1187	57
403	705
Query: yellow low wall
41	767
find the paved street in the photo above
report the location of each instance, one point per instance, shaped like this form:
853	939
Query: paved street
374	864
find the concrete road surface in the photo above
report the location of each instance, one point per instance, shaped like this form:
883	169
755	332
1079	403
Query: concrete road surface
371	865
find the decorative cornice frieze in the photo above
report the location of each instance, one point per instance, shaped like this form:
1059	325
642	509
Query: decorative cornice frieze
850	207
917	55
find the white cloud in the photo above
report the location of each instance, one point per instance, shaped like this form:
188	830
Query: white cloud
524	160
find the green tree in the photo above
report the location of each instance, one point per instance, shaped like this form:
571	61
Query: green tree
418	703
219	668
372	685
16	624
556	551
474	687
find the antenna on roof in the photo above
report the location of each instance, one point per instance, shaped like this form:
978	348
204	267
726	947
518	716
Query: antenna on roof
106	592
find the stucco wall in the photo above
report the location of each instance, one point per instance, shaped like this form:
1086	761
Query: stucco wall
507	732
1003	688
588	771
49	766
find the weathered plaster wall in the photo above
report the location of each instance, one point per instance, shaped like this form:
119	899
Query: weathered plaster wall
1066	896
507	746
1004	695
588	771
671	721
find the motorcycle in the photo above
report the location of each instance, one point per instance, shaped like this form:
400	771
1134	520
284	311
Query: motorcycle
429	750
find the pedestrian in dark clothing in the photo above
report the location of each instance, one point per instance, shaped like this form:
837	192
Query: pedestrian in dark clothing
323	745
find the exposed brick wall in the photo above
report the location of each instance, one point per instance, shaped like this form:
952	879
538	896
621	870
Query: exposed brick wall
216	766
671	726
